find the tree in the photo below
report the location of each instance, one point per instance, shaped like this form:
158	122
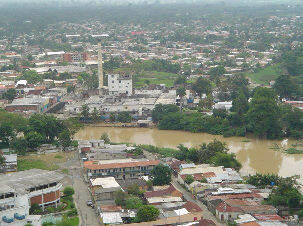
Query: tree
2	159
161	111
285	87
85	111
10	94
105	137
6	133
202	85
124	117
161	175
226	160
35	209
19	144
181	92
133	203
120	197
263	114
207	102
65	139
34	139
32	77
112	117
68	191
240	104
189	179
135	190
180	80
217	71
147	213
95	115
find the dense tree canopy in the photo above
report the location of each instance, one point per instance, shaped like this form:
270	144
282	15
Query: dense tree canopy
161	175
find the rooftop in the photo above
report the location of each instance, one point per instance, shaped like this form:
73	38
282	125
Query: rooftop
23	180
93	165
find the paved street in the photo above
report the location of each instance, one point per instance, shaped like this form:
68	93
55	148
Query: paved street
87	214
206	213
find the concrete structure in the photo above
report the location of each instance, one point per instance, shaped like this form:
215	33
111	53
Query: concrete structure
75	57
18	191
120	84
10	164
121	169
100	66
103	188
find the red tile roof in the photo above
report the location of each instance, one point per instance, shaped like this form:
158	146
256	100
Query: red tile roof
268	217
165	192
93	165
224	207
250	224
192	207
235	196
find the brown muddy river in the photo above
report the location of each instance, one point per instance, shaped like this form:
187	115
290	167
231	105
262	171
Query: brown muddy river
255	155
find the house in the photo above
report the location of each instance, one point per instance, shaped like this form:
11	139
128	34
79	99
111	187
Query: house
104	188
230	209
121	169
10	163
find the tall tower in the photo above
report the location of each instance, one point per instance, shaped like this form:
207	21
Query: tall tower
100	66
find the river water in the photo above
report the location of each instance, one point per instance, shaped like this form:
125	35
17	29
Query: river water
255	155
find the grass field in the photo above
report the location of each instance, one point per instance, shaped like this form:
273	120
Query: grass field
265	75
155	77
44	161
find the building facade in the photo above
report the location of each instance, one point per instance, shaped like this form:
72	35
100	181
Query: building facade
118	84
20	190
120	169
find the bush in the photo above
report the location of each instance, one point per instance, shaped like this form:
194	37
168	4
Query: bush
51	209
133	203
72	213
35	209
189	179
68	191
147	213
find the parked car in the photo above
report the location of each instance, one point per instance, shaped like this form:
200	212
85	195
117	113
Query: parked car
89	203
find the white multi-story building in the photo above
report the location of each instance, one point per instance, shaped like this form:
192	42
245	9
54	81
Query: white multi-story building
120	84
20	190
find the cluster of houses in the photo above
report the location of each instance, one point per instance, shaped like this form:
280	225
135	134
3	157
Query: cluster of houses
111	168
226	196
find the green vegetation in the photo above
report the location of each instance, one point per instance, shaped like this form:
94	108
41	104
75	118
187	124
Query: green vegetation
189	179
37	129
168	152
26	164
285	190
46	162
161	175
68	191
263	116
147	213
265	75
154	78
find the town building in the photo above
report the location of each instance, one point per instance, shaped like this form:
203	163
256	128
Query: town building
120	84
120	169
20	190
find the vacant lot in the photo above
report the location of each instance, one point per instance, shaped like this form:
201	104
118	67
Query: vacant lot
154	77
43	161
265	75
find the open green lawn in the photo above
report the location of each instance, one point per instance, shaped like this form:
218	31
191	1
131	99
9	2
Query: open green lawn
155	77
265	75
43	161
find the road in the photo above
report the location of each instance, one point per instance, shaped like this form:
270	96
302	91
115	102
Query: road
87	215
187	195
